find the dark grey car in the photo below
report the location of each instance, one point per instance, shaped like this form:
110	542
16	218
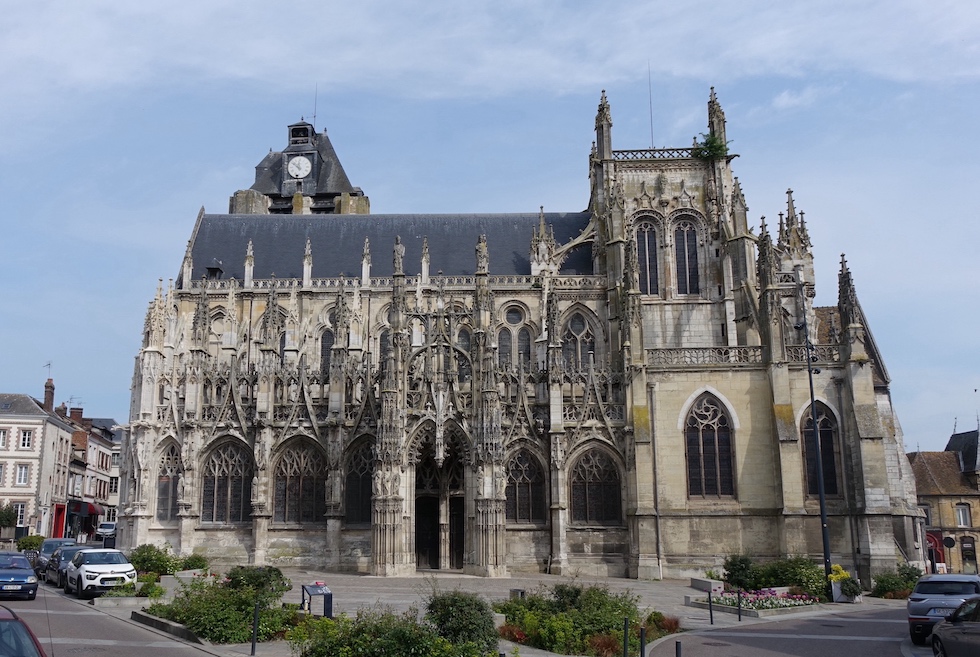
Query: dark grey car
934	598
959	634
54	573
48	546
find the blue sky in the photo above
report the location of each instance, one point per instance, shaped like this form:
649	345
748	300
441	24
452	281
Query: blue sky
119	120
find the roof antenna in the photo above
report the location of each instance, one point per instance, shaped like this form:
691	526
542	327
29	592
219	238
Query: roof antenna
650	91
48	365
316	89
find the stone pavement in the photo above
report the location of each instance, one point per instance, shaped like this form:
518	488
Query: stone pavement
353	592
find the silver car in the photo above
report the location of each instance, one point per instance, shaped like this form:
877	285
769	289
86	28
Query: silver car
959	634
934	598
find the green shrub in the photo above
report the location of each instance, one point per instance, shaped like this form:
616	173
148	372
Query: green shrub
148	577
32	542
149	558
194	562
373	634
573	619
121	591
850	587
462	617
896	584
223	614
739	571
267	582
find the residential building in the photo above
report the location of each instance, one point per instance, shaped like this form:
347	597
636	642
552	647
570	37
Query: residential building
948	485
623	390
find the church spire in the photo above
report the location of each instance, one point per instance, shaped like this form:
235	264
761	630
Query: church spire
793	236
603	129
716	118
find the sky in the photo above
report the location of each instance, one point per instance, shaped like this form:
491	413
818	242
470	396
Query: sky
120	120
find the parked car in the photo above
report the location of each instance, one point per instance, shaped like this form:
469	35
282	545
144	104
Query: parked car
934	598
105	530
959	634
48	546
16	637
95	570
17	577
58	564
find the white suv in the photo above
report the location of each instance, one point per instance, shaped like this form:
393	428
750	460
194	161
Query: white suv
97	570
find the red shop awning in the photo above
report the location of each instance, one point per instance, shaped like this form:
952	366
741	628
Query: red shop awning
85	509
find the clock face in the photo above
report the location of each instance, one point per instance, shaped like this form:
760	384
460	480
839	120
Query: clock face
299	167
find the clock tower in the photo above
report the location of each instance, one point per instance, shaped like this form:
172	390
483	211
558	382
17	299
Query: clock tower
306	177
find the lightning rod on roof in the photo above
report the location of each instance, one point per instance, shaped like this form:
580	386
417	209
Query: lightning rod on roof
650	92
316	90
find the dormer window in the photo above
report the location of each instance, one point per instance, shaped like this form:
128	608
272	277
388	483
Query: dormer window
214	273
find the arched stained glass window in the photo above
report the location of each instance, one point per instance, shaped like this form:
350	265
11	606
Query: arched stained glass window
827	427
357	485
686	253
646	252
167	482
525	489
577	342
596	491
226	490
326	347
505	346
300	485
708	437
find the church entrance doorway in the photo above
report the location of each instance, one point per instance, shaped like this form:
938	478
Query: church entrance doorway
456	532
427	532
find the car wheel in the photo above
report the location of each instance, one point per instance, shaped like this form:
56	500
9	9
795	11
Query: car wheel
62	581
67	585
938	649
32	595
917	639
78	588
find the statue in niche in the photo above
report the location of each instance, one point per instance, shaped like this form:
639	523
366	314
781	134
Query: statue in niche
399	255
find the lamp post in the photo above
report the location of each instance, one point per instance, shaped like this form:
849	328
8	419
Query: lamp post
811	370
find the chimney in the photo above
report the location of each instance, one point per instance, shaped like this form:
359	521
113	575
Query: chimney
76	414
49	396
61	410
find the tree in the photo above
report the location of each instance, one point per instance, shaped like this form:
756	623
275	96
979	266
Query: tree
8	515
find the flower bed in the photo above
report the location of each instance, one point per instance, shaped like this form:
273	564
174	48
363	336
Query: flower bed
764	599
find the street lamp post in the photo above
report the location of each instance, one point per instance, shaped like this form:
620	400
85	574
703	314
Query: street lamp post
811	370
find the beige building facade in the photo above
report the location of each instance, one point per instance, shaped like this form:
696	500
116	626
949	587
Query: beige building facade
620	391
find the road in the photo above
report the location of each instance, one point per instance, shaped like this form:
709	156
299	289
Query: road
870	633
69	628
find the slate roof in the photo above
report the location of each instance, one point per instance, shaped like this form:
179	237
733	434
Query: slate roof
19	404
966	444
938	473
337	243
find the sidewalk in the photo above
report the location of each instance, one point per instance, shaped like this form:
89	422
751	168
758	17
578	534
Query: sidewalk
353	592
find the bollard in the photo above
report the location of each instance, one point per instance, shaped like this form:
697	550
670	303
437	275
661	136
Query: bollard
626	637
711	610
677	648
255	628
740	604
643	641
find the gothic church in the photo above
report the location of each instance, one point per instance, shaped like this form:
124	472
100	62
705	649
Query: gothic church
622	391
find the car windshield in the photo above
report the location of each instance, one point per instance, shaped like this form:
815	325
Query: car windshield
47	547
106	525
15	562
946	588
104	558
15	640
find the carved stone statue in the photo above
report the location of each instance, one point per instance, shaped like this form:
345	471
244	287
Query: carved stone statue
399	255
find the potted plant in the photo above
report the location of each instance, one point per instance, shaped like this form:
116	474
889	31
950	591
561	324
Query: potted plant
845	588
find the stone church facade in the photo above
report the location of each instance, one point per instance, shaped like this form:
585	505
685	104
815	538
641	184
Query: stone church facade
622	391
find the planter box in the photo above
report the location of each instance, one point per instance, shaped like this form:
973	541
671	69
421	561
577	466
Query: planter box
705	584
689	601
840	597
